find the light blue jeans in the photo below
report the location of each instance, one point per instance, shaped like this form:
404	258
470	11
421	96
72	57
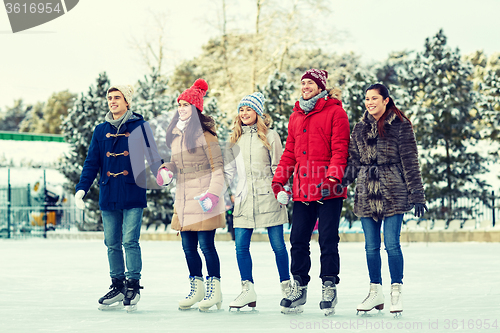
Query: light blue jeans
242	242
122	229
392	231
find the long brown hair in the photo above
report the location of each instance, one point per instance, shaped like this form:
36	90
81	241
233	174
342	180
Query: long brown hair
192	128
384	92
263	123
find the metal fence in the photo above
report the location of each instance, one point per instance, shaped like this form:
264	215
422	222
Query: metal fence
36	221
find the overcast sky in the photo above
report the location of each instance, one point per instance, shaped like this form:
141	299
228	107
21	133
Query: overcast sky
70	51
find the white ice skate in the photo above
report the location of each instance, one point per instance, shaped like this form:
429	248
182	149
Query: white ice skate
213	295
375	299
298	297
247	297
196	294
328	298
396	300
113	300
286	288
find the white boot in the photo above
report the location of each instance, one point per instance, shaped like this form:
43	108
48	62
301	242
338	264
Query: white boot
195	295
375	298
247	296
286	288
396	301
213	295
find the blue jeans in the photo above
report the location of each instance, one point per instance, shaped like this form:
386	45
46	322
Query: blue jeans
242	242
206	239
392	231
122	227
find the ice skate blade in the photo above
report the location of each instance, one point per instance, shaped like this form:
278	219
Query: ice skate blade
397	315
329	312
187	308
210	309
246	310
294	310
131	308
365	313
110	307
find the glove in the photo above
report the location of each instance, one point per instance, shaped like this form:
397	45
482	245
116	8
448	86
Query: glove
164	177
79	199
282	194
329	186
207	201
419	209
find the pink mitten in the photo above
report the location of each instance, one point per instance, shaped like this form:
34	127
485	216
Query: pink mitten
164	177
207	201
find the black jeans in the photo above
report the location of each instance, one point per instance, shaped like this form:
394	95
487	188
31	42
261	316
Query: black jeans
304	219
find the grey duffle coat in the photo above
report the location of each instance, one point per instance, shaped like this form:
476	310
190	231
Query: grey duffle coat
255	205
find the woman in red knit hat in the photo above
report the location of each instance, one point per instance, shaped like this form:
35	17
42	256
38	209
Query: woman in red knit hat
198	212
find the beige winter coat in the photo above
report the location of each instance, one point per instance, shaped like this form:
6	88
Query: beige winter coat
255	205
188	215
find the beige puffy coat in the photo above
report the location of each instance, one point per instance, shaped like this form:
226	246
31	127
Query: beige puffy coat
188	215
255	205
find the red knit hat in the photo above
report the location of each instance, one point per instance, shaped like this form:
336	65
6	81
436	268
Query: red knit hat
317	75
194	95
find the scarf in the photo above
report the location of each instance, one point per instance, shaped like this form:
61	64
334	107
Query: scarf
308	105
117	123
181	124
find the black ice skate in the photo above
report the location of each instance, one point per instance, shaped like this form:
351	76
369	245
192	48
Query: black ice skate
113	299
328	298
132	295
295	301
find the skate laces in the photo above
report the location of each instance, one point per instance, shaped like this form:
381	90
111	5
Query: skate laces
296	291
329	292
193	288
372	294
244	292
209	292
395	293
286	288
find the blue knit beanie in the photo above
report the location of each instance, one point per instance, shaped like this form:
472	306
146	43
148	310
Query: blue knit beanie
255	101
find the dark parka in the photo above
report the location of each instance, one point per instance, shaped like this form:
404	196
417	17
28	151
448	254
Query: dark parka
316	148
111	155
386	168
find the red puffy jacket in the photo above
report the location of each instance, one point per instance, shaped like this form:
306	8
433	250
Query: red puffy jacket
316	148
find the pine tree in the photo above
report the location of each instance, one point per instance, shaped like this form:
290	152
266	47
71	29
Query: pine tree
278	104
87	112
445	122
12	117
353	93
156	106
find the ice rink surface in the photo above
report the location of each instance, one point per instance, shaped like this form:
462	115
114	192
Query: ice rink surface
54	285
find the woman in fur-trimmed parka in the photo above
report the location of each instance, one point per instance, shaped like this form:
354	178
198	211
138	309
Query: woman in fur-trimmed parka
254	157
383	160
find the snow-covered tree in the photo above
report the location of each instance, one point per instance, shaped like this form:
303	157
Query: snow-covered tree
445	120
156	106
353	93
278	104
87	112
12	117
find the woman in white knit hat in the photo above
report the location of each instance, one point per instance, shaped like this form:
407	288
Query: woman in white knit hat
255	154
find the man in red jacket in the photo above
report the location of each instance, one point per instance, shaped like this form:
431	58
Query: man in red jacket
316	155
